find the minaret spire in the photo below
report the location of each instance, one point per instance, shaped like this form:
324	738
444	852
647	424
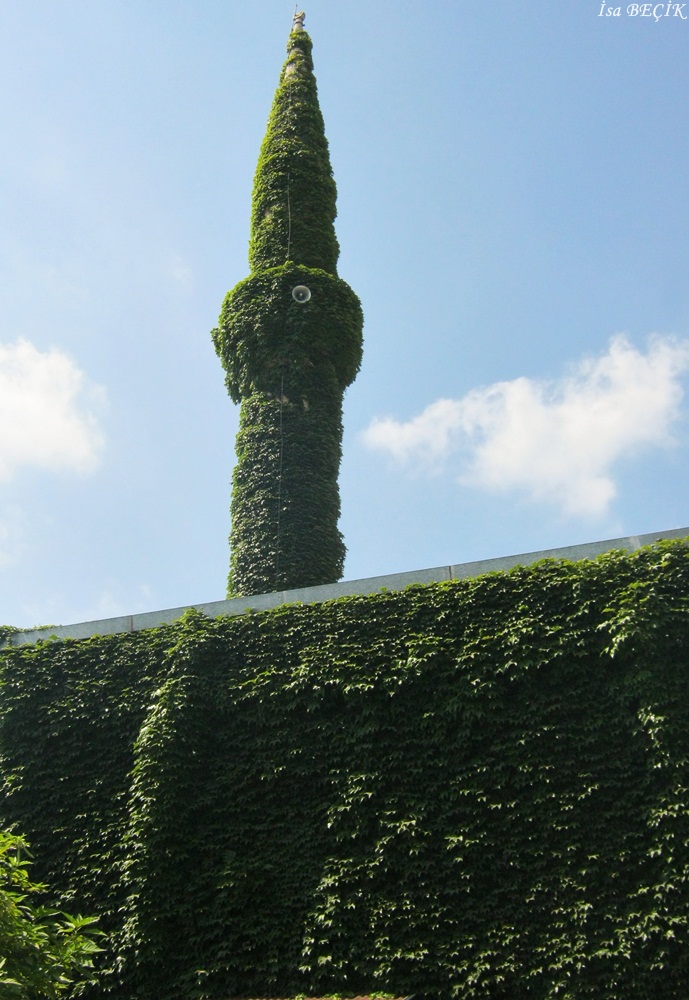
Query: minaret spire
289	337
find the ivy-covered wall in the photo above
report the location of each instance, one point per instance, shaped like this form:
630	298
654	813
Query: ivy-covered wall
477	789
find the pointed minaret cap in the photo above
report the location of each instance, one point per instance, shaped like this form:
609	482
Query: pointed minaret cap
299	43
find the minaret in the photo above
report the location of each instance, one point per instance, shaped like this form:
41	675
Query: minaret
289	337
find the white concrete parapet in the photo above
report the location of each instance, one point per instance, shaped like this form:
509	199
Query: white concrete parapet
331	591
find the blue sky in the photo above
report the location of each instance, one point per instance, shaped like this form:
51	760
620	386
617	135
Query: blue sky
512	211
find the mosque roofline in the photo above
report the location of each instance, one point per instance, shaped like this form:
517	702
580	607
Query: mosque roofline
332	591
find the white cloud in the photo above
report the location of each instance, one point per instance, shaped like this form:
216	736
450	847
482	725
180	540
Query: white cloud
555	441
47	412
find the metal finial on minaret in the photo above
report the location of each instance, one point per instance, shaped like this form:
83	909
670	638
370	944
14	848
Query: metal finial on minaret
298	21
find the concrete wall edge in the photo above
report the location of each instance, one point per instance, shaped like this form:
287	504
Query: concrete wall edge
332	591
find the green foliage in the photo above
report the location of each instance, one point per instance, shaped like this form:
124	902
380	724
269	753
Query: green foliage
42	953
468	790
289	363
294	192
300	351
284	527
70	713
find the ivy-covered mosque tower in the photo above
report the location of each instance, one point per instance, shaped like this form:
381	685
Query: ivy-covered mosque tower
289	337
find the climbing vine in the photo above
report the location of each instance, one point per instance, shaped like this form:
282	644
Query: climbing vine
467	790
288	362
270	343
294	197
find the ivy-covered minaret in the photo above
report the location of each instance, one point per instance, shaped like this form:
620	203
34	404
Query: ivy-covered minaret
289	337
